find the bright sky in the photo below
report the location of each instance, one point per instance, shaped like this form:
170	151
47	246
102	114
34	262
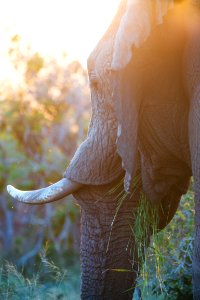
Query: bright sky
55	26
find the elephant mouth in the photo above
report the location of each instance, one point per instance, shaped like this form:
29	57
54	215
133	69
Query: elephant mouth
52	193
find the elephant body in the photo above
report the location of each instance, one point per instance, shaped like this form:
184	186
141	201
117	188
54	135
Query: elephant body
153	111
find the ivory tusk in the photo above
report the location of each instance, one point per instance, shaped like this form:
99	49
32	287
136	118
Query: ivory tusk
54	192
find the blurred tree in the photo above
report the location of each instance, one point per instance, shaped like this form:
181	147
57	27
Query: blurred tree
41	123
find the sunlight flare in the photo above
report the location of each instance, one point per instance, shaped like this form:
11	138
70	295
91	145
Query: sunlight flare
55	27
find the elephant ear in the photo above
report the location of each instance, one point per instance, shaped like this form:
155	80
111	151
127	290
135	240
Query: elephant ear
127	109
136	24
139	19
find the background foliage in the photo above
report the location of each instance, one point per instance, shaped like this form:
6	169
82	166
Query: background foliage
42	121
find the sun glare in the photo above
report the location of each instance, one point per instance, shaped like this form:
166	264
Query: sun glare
53	27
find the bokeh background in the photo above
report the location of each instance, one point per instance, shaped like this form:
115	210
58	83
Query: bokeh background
44	116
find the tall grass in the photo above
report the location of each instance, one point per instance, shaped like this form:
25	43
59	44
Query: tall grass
147	243
49	282
165	257
176	246
120	195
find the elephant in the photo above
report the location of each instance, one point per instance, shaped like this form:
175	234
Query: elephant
145	95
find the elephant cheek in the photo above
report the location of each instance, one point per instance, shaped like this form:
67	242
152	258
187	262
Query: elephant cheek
96	161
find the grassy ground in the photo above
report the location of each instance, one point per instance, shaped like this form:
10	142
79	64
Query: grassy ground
61	285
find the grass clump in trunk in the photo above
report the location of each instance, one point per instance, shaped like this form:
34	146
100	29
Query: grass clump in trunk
165	257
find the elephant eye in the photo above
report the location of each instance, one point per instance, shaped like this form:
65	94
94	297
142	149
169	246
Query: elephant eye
94	80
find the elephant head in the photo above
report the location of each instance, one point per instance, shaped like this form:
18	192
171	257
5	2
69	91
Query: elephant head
145	90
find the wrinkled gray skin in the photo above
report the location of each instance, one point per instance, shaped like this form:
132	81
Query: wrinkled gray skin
159	114
155	99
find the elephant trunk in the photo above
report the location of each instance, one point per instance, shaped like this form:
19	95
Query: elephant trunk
109	270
